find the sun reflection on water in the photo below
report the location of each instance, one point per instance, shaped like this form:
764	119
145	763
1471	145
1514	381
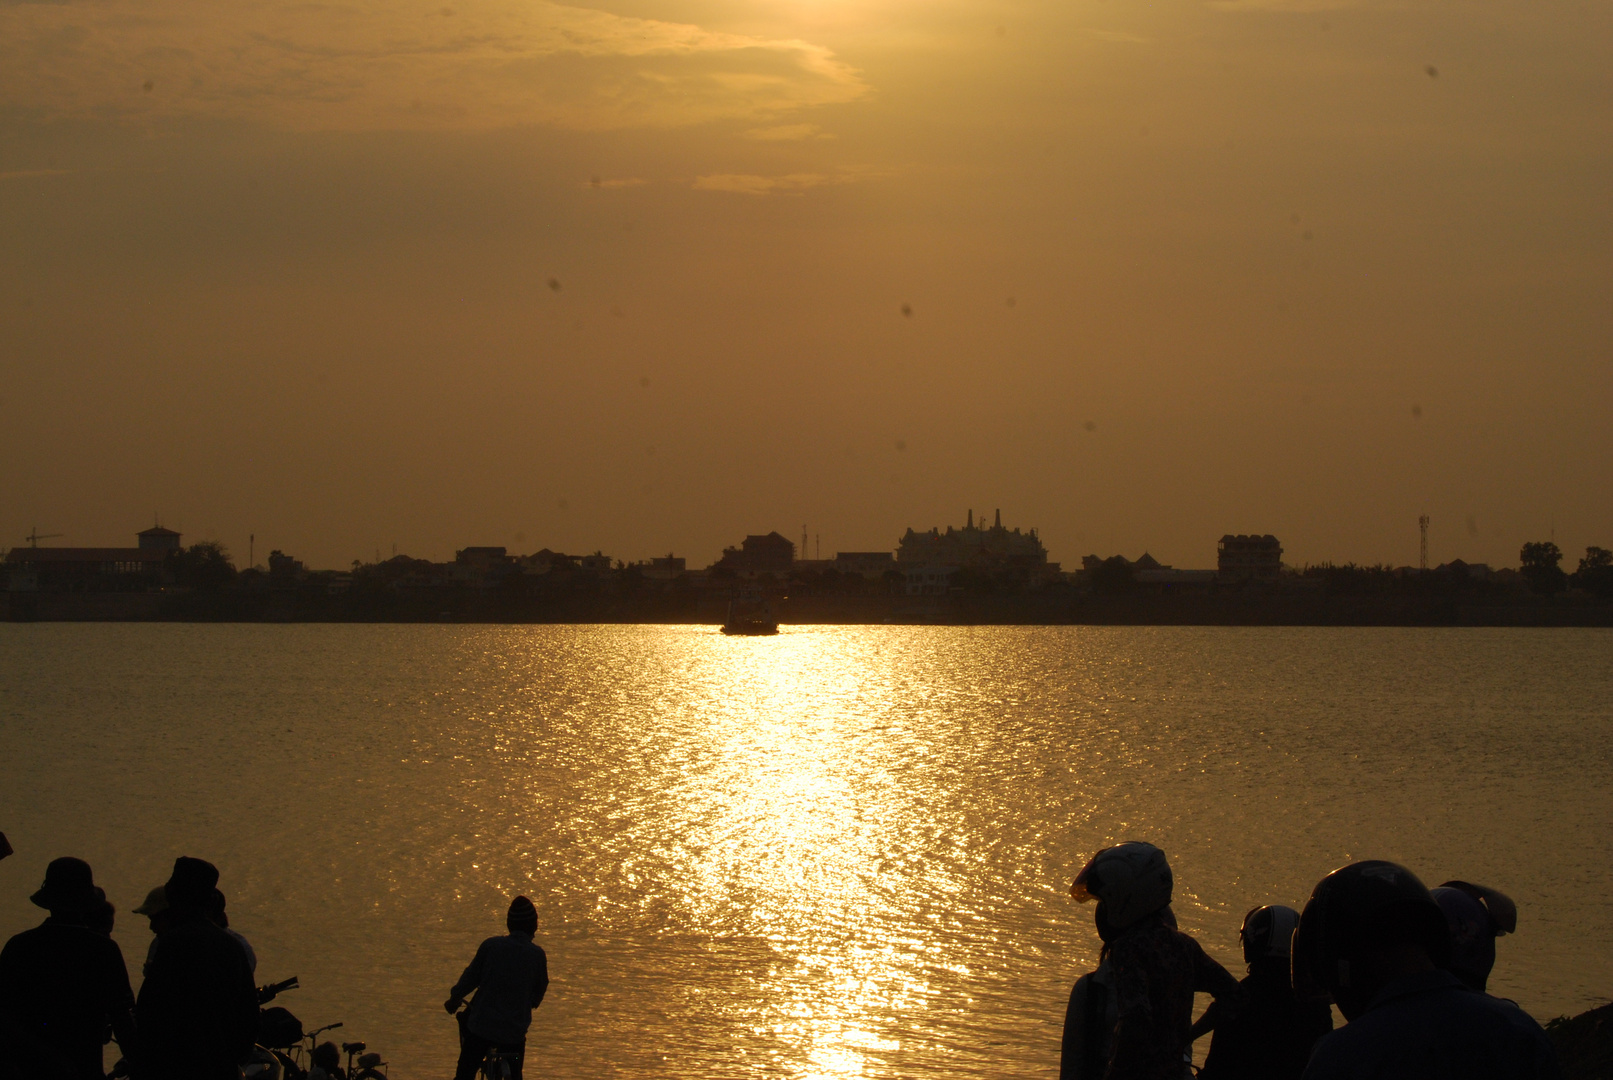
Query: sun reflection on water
792	816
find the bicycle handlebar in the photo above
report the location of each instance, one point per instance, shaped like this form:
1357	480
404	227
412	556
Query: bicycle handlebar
267	993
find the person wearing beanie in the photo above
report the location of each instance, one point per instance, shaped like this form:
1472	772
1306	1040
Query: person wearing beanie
509	975
198	1008
62	983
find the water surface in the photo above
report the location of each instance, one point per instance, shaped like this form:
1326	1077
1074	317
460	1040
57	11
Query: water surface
841	852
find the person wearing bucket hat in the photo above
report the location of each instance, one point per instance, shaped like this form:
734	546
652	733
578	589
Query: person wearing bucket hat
510	975
198	1008
62	984
1373	940
1132	1021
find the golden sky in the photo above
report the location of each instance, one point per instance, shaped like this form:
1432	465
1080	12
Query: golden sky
649	275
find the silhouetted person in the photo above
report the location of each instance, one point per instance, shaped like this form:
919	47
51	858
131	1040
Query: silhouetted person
1476	916
102	916
1373	939
216	915
1271	1035
325	1063
1130	1019
155	908
62	984
509	975
198	1009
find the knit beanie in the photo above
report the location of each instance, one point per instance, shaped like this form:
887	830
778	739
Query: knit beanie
522	917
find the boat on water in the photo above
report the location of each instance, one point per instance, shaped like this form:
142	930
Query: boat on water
749	617
749	627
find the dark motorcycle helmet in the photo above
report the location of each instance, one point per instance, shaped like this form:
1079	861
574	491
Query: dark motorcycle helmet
1268	933
1354	908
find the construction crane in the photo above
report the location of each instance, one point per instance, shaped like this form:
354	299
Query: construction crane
1422	523
36	536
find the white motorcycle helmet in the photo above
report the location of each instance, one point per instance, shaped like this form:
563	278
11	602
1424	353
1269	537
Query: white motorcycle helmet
1130	880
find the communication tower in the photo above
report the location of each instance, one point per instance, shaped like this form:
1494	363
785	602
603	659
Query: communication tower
1422	524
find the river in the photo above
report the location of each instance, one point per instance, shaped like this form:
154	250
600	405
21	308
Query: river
841	852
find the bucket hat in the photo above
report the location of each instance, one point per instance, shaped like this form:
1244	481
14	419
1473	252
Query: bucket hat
191	884
69	886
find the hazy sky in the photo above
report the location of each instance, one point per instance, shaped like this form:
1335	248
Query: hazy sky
647	275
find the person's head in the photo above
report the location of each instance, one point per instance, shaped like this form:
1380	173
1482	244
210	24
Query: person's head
1364	925
327	1057
215	910
155	908
522	918
69	890
190	887
101	916
1476	916
1129	881
1267	935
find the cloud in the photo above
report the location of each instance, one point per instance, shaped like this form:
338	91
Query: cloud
746	184
612	185
1112	35
381	64
788	132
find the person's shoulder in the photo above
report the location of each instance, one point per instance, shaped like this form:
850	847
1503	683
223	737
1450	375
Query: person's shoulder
20	945
22	938
1344	1051
1510	1013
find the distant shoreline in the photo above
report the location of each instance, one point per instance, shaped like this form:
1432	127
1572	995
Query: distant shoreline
1232	608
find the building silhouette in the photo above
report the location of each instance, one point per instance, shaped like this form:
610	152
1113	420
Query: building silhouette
1249	558
769	554
92	569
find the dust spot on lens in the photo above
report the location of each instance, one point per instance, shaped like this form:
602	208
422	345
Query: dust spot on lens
907	311
1012	301
565	504
1091	425
1433	72
554	284
520	537
148	86
644	381
594	181
901	444
1417	412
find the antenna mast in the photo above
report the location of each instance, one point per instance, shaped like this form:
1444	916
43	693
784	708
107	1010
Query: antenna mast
1422	524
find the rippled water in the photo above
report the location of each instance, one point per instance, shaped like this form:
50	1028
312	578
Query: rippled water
840	852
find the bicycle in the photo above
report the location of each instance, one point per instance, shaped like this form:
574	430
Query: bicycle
369	1067
498	1063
